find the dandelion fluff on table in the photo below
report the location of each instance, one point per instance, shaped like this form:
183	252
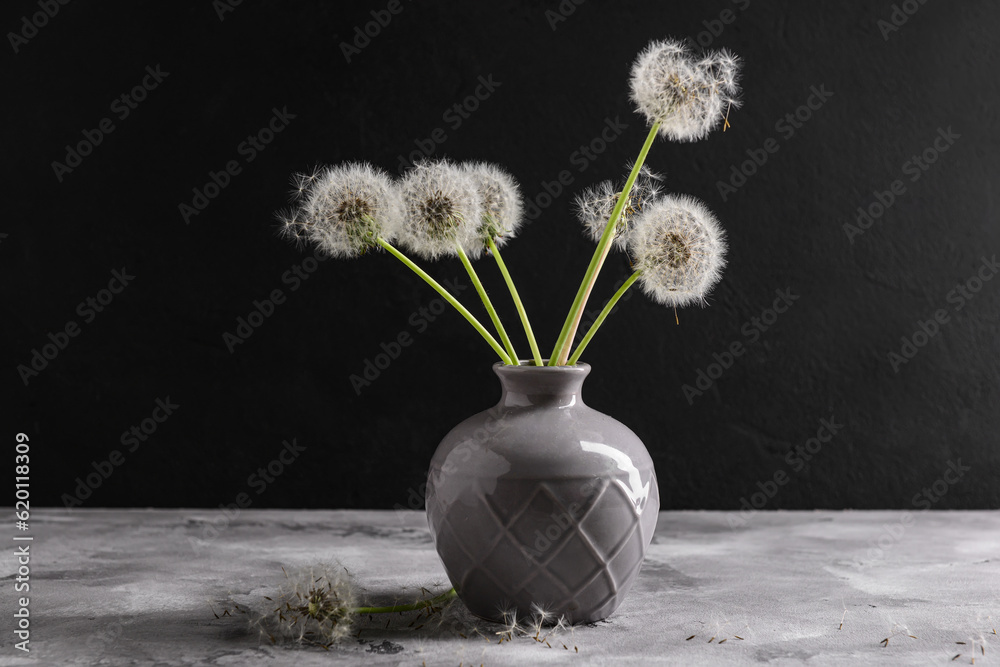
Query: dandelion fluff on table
313	605
679	249
687	95
501	206
595	205
344	209
441	208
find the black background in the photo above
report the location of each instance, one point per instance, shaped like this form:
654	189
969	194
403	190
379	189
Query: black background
558	83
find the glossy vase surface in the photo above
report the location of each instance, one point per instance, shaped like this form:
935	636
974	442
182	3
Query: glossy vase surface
542	501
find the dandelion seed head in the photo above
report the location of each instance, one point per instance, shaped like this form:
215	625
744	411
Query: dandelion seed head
688	96
679	247
501	205
441	208
595	205
343	210
312	606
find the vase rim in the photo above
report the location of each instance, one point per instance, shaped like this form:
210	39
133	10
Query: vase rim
529	365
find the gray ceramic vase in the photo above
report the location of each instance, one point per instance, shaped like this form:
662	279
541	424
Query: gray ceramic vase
542	501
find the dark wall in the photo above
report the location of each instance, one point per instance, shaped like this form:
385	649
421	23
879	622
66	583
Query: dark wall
881	94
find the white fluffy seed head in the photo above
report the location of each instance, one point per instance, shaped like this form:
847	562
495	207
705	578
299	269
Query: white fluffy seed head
343	210
314	605
595	205
688	96
441	209
501	205
680	250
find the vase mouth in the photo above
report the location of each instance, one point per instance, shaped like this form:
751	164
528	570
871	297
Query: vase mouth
528	366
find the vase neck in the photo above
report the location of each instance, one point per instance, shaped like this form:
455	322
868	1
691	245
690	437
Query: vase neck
529	386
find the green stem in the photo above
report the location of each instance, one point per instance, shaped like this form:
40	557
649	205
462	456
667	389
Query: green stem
608	307
561	351
489	304
517	302
447	297
444	597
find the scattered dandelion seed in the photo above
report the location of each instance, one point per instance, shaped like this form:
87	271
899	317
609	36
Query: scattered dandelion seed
957	656
690	638
722	641
738	637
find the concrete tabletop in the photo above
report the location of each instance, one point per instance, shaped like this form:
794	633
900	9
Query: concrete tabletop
117	587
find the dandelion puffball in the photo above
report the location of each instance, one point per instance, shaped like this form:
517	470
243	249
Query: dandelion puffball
441	209
595	205
344	209
688	96
679	249
314	605
500	203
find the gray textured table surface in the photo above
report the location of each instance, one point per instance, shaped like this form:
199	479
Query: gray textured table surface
144	587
